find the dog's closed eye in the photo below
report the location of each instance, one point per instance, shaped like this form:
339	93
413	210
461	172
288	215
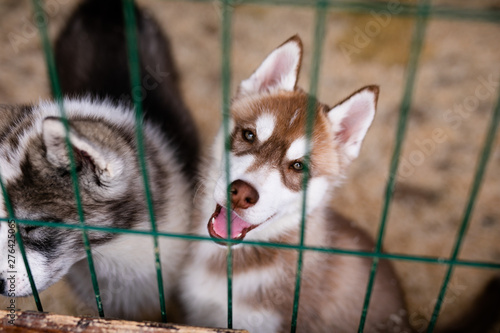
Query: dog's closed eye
29	229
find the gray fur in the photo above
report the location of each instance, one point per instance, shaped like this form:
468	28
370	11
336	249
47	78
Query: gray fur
34	165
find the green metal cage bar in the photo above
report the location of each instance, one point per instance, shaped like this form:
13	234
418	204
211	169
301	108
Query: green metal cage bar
478	178
285	246
227	16
319	35
416	48
135	75
20	243
421	12
56	91
407	9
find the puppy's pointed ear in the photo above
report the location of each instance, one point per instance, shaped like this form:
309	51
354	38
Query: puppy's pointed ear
279	71
86	153
351	119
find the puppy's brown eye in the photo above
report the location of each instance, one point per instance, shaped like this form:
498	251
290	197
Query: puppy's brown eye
248	136
297	166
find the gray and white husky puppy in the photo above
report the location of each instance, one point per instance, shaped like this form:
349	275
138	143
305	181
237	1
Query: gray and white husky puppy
35	169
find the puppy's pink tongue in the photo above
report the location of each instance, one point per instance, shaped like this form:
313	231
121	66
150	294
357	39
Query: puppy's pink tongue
217	226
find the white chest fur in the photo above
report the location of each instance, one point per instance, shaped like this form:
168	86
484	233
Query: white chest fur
206	295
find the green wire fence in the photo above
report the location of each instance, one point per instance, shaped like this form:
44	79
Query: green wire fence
422	11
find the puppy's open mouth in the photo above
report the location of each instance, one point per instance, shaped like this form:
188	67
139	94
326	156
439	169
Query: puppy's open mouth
217	225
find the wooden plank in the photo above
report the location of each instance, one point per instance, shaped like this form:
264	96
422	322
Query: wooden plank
36	322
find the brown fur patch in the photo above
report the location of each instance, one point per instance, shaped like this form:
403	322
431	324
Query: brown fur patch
290	111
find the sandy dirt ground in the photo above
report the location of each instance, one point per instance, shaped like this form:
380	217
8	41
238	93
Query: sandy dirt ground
455	93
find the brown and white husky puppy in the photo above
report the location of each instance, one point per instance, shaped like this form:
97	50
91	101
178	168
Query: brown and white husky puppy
266	162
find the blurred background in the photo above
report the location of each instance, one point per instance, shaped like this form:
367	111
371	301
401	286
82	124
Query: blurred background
456	90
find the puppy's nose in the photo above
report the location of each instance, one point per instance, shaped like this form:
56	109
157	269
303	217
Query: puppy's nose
3	286
243	195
